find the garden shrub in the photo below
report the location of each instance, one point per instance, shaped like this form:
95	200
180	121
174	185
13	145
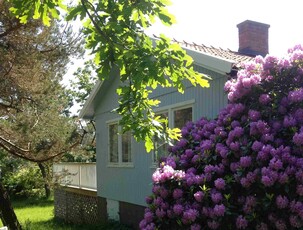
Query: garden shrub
244	169
25	181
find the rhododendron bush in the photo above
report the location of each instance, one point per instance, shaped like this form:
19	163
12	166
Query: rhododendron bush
243	170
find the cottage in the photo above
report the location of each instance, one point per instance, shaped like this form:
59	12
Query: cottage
124	169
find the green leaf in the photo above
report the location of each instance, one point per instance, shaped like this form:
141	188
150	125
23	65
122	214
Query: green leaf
45	17
149	145
37	8
74	12
167	18
55	13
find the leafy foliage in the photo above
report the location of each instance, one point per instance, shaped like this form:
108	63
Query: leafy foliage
244	169
34	122
114	32
25	181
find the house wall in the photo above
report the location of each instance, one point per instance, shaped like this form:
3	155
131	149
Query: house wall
131	185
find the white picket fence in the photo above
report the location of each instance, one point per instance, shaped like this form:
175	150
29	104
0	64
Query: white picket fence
77	175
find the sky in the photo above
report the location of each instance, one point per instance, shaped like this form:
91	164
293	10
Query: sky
214	22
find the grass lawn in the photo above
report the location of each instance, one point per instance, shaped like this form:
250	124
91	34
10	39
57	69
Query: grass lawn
38	214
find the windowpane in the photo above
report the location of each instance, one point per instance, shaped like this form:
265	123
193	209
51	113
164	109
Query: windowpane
126	147
181	116
113	143
160	146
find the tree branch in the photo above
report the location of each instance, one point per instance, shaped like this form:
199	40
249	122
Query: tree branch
28	154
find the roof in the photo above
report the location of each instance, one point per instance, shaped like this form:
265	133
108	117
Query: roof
217	59
228	54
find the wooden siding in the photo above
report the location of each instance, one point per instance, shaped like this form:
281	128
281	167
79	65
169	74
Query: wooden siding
133	184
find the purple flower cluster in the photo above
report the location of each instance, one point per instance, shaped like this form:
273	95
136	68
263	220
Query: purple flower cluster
243	170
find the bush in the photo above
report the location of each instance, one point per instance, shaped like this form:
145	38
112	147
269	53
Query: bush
26	181
243	170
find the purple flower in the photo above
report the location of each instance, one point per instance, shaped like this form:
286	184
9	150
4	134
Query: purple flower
251	201
282	202
262	226
177	193
189	153
275	164
182	143
257	146
299	115
295	221
199	196
213	224
160	213
280	225
267	181
234	146
149	199
298	139
206	145
142	224
300	190
254	115
216	197
163	193
150	226
264	99
148	216
219	210
178	209
195	227
158	201
289	121
220	183
296	96
245	161
190	215
245	182
241	222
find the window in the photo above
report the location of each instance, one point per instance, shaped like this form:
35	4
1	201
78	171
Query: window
119	146
113	143
177	116
159	145
181	116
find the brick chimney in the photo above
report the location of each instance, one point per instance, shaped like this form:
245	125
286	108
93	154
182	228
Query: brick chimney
253	38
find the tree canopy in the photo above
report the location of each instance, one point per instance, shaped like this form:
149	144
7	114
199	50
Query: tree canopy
33	103
115	34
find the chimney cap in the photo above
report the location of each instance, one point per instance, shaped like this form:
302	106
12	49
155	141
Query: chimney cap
253	22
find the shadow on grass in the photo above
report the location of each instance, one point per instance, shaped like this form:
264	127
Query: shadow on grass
60	225
30	223
38	202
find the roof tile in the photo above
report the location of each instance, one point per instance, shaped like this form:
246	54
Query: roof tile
233	56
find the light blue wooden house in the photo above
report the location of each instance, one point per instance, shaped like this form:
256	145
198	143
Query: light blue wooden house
124	169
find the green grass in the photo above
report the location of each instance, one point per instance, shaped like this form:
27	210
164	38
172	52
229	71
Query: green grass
38	214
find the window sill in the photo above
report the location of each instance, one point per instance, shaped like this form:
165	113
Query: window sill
128	165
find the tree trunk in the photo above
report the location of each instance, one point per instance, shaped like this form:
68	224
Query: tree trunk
7	213
44	176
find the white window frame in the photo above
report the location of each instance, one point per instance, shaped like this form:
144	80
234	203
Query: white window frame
120	163
170	110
